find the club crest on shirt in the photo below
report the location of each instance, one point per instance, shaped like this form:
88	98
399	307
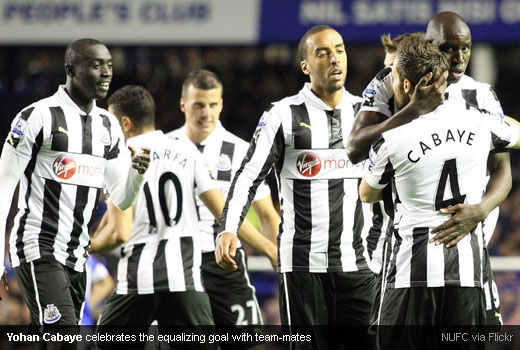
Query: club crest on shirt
105	137
64	167
17	132
224	163
51	314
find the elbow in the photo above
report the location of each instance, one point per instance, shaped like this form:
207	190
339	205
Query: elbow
365	197
353	153
123	236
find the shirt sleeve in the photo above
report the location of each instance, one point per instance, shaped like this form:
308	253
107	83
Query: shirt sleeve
503	134
378	96
491	102
26	132
203	179
266	147
380	170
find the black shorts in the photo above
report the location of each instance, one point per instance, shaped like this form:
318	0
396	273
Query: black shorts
232	297
53	292
415	318
310	301
490	296
176	312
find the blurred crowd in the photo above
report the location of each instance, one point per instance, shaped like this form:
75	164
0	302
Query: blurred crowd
253	77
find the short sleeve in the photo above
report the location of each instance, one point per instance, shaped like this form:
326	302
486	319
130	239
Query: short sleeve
503	133
380	170
379	93
25	128
203	179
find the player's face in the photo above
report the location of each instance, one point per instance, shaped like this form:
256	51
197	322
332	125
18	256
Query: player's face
202	110
456	46
389	59
401	96
93	72
326	62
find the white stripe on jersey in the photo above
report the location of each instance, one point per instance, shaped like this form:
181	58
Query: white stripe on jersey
320	232
223	164
163	254
68	152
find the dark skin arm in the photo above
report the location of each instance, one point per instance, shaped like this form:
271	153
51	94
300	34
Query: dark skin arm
369	125
465	217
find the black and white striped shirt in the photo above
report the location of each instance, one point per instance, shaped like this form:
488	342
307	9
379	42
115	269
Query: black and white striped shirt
322	216
379	97
70	155
435	161
223	153
164	252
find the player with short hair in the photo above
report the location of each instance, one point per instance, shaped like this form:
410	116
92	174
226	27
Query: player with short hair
232	295
323	275
62	149
453	36
433	162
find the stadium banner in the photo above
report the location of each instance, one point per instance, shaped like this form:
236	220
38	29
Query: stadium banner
367	20
183	22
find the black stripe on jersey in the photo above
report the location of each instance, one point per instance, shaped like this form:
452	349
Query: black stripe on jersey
149	207
302	134
86	123
475	248
357	242
336	193
381	75
200	148
419	259
451	266
227	150
28	175
388	174
114	152
335	129
301	127
302	222
378	142
59	131
133	265
77	226
393	262
357	106
470	96
160	270
376	229
499	143
187	261
391	105
50	216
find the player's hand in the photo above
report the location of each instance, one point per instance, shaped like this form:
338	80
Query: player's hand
140	161
464	220
426	97
226	250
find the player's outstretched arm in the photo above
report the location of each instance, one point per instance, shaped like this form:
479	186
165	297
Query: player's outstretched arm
370	125
114	229
214	201
12	167
123	182
465	217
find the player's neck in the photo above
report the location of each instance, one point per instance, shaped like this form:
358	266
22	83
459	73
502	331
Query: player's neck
331	99
134	133
195	137
83	103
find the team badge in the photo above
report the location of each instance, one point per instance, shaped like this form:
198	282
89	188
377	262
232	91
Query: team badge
17	132
51	314
105	137
308	164
64	167
224	163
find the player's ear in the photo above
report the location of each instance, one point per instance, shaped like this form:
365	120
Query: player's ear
182	105
69	70
126	123
305	67
408	86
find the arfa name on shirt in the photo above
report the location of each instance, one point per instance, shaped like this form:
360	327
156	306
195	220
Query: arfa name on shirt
168	154
461	136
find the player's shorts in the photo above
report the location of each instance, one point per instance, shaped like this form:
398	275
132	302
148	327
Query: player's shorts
310	301
419	317
490	296
53	292
176	313
232	297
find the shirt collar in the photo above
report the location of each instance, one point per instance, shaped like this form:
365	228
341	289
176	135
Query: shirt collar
311	97
65	99
219	129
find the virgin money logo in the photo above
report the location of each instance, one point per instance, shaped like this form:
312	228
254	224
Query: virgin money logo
64	167
308	164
